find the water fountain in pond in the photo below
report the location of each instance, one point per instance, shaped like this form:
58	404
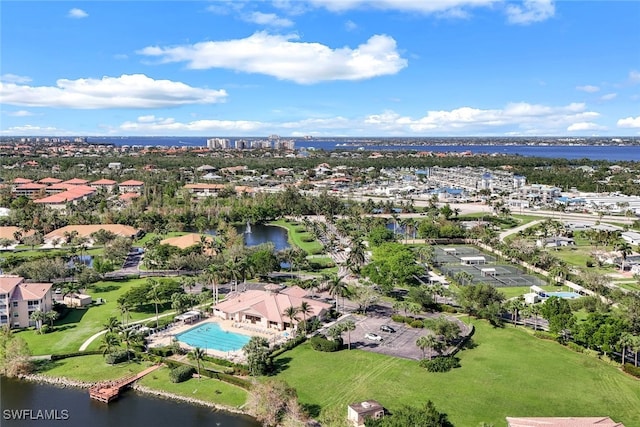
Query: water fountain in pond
248	229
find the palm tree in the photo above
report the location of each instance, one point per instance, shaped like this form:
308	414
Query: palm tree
51	316
234	270
337	287
624	248
38	317
291	312
427	342
535	312
198	355
109	341
124	307
154	295
625	341
130	339
214	273
349	326
112	325
357	256
305	309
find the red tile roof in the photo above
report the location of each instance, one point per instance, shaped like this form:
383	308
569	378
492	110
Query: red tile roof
49	180
131	183
30	186
76	181
103	182
22	181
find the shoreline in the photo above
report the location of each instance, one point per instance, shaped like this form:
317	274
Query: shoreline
64	382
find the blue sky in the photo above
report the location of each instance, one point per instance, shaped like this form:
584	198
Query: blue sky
320	67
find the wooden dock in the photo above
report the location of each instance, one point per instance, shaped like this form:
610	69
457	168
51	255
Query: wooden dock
110	390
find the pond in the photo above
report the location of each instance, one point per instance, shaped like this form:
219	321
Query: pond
257	234
87	260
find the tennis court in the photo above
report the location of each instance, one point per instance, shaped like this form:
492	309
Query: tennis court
498	275
445	255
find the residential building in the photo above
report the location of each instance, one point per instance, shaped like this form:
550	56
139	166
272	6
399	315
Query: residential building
131	186
18	300
107	185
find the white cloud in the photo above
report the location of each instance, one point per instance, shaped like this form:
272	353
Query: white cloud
531	11
20	113
420	6
126	91
350	25
634	76
35	130
629	122
516	118
283	57
151	125
582	126
77	13
608	96
13	78
267	19
588	88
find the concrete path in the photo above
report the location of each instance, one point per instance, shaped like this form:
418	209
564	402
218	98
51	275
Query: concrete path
518	229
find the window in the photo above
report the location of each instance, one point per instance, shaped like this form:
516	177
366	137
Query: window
16	314
15	304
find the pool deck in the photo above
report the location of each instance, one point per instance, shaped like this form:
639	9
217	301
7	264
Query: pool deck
165	337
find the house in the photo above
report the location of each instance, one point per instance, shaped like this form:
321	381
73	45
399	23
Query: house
562	422
189	240
30	189
357	413
266	308
555	242
18	300
87	230
77	300
104	184
631	237
131	186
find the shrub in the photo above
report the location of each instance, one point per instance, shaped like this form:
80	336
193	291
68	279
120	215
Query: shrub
319	343
45	329
308	239
118	356
630	369
181	373
74	354
161	351
575	347
398	318
545	335
445	308
440	363
417	324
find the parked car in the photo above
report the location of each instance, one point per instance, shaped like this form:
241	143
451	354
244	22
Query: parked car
387	328
372	336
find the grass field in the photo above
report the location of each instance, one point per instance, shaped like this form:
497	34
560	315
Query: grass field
80	324
91	368
207	389
509	372
296	237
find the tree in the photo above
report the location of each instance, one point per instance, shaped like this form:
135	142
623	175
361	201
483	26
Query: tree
337	288
154	296
51	316
273	403
38	317
625	341
257	354
430	342
198	355
113	325
109	341
624	248
305	309
558	312
129	338
481	300
14	354
426	416
124	308
349	326
291	313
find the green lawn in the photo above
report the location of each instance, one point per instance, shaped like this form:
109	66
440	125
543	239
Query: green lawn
91	368
508	373
296	237
206	389
81	324
514	291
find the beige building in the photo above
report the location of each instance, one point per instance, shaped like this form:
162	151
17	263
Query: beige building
18	300
357	413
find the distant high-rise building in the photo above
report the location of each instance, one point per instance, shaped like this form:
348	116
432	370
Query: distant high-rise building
218	143
241	144
284	144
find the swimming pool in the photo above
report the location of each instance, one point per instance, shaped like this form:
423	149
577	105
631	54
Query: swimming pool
565	295
210	336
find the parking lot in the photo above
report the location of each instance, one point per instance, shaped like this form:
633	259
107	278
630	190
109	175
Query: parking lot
401	343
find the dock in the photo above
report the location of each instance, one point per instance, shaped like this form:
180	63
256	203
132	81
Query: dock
110	390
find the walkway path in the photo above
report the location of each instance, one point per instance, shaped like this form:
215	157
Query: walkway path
86	344
518	229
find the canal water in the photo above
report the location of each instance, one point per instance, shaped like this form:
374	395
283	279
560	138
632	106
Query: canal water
27	404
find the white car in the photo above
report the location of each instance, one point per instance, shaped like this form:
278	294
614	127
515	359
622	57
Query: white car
372	336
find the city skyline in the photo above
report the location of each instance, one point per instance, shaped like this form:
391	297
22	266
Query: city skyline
320	68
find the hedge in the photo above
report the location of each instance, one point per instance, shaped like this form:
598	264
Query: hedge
161	351
74	354
215	375
630	369
440	363
117	357
320	343
181	373
545	335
